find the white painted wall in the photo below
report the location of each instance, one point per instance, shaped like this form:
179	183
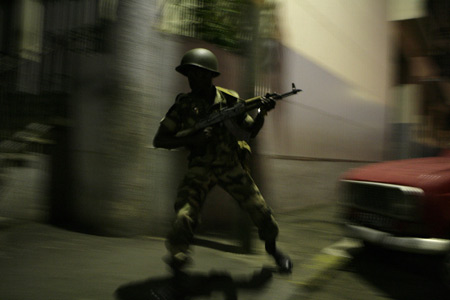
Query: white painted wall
347	37
338	53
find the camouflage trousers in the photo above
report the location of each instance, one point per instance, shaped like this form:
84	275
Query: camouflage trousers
193	190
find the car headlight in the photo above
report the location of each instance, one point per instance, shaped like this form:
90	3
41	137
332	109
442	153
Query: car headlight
406	204
388	199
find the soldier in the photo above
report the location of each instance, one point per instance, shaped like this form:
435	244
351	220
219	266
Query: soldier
217	156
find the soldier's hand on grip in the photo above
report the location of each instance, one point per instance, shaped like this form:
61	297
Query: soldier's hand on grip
268	103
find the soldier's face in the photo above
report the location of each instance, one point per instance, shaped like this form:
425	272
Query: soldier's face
200	80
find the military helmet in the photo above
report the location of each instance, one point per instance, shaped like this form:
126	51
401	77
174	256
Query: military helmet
201	58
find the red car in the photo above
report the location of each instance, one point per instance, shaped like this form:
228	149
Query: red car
402	205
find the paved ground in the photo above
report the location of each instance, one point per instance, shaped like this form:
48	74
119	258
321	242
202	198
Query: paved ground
38	261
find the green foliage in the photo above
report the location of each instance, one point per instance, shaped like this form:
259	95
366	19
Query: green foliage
230	24
223	23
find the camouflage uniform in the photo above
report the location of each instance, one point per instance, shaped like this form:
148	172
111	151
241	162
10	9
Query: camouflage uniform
222	162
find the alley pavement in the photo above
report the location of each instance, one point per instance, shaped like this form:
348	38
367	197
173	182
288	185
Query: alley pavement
40	261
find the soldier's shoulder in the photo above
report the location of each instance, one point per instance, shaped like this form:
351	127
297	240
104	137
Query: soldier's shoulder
228	92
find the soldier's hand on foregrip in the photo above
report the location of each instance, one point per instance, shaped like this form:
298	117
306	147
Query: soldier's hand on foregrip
268	103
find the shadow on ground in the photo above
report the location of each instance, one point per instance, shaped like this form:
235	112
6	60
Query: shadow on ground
186	285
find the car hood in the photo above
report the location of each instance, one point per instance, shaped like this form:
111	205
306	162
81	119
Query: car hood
429	173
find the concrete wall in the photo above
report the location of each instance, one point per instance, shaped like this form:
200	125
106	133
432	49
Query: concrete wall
122	185
289	184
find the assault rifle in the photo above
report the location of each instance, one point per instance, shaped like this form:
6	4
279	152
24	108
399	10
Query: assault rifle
235	110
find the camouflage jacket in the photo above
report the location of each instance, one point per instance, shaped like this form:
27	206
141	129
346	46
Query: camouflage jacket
225	145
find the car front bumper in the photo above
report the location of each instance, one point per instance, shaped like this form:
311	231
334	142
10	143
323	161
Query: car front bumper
408	244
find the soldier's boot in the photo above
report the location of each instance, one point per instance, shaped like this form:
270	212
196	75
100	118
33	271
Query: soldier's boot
282	260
